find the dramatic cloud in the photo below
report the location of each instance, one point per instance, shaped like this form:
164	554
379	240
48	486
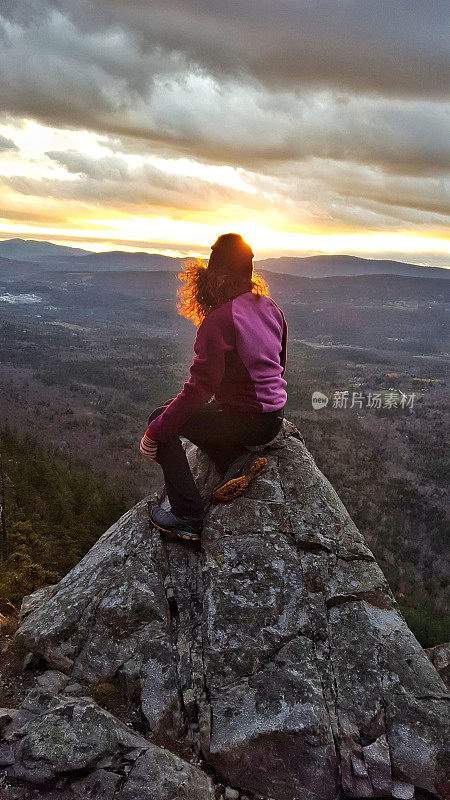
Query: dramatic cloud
6	144
110	181
363	45
328	115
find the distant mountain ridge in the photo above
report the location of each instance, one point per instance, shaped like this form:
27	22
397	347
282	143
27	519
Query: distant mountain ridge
33	250
345	265
45	254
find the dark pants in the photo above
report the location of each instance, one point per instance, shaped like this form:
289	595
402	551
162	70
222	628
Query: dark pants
222	434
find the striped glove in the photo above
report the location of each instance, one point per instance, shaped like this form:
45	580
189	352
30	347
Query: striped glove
148	447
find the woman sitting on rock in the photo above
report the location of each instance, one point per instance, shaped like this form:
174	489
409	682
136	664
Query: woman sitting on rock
235	394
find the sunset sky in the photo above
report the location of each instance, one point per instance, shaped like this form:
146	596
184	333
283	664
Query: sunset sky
308	126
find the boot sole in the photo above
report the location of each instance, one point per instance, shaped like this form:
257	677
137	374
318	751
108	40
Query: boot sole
194	537
234	487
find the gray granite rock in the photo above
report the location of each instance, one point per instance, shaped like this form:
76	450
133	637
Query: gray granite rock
440	657
6	716
53	681
231	794
163	776
62	736
109	616
276	651
74	689
101	784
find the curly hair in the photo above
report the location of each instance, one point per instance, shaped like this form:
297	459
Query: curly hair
204	290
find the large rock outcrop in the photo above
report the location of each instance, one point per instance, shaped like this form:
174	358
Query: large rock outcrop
275	653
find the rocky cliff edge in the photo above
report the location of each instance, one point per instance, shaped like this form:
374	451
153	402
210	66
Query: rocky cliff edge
272	661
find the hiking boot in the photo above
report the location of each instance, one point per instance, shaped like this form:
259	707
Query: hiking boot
184	527
238	476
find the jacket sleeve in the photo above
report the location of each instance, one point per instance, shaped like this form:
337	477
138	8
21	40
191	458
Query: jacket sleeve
215	337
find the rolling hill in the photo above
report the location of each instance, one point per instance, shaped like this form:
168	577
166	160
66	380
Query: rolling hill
57	257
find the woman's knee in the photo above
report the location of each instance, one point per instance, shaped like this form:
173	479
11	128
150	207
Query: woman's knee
158	411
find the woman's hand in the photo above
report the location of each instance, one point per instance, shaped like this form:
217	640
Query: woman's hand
148	447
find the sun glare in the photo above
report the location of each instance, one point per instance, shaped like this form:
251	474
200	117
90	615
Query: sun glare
63	215
194	238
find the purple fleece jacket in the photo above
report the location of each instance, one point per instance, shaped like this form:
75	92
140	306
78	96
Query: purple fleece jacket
240	359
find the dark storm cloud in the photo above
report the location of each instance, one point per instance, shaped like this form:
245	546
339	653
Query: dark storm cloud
197	76
381	45
362	45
